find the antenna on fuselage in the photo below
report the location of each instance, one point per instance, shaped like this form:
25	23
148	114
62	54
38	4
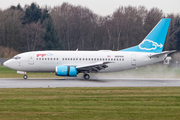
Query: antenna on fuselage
77	49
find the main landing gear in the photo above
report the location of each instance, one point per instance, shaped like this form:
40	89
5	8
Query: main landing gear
25	76
86	76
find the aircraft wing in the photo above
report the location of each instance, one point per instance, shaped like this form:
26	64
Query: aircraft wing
95	67
165	52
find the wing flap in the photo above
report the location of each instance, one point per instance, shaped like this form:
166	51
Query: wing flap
94	67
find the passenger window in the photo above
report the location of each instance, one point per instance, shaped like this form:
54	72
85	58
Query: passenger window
36	58
39	58
73	58
57	58
51	58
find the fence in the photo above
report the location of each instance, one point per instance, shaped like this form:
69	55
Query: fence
2	60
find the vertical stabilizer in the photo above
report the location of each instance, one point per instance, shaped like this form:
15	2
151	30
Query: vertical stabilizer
154	41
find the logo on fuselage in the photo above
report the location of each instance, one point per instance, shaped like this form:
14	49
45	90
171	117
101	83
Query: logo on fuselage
49	54
149	45
42	55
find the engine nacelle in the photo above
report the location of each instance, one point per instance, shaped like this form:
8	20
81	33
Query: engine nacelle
66	71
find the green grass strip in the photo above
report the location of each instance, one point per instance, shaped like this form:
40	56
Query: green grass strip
119	103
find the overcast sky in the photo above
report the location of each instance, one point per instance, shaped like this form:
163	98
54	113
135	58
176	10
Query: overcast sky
102	7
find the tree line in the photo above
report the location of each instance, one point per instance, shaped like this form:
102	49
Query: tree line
69	27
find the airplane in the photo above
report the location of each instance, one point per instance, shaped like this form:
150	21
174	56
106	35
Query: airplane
71	63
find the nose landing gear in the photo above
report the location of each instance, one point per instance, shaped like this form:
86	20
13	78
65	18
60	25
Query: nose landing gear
25	76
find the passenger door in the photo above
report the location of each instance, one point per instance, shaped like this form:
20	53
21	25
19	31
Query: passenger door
133	60
31	59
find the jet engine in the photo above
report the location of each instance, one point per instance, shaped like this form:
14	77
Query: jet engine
66	71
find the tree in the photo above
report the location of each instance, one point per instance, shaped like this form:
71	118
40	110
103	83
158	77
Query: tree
16	8
32	37
45	15
32	14
153	17
10	29
51	39
173	39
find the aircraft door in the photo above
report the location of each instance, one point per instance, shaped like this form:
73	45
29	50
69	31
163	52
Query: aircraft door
31	59
133	60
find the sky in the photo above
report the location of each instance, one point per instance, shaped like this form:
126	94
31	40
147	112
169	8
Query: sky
102	7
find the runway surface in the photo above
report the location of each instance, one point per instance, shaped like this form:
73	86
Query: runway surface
52	83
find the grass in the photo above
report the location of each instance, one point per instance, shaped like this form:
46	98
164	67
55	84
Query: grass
119	103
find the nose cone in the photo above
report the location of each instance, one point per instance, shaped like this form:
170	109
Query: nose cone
9	64
6	63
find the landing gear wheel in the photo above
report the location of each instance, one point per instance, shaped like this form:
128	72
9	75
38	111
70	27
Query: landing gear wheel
86	76
25	76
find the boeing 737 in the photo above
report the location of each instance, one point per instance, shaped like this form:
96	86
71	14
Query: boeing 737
71	63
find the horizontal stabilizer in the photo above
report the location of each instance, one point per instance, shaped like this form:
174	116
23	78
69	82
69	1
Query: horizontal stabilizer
163	53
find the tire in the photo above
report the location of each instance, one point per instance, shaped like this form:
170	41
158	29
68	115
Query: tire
86	76
25	76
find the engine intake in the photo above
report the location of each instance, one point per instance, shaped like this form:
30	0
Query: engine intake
66	71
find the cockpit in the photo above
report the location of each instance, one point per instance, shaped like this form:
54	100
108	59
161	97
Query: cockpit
16	57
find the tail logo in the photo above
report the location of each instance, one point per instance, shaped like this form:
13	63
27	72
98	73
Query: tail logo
149	45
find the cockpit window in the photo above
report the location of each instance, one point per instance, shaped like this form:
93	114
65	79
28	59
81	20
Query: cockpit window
16	57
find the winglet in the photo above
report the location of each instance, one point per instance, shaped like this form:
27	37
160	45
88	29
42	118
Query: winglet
154	41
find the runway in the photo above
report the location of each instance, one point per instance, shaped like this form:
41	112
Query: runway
53	83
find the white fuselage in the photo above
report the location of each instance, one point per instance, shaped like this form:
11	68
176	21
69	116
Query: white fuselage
46	61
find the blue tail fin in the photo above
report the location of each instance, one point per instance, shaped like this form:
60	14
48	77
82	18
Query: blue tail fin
154	41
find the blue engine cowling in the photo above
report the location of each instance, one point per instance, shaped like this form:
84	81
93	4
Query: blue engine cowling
66	71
